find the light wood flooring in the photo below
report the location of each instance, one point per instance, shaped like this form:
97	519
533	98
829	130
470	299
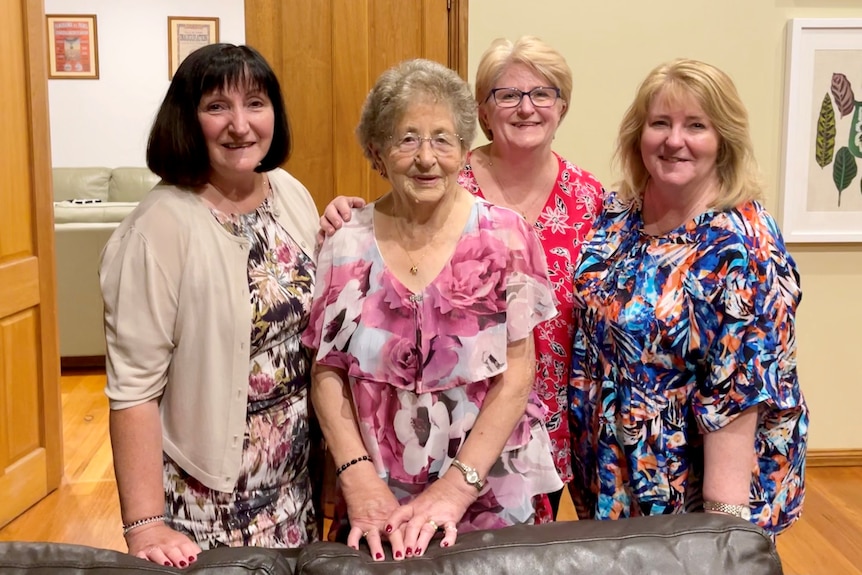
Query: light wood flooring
85	509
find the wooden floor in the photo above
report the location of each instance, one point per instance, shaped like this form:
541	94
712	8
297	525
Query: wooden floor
85	510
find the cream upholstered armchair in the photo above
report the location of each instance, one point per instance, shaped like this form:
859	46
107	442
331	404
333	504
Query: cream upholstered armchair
89	204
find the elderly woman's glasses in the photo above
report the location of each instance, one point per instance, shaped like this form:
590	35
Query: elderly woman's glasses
442	143
541	97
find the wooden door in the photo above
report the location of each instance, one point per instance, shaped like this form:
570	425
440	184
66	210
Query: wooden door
327	54
31	461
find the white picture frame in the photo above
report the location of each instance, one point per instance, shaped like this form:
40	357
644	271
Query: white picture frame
814	206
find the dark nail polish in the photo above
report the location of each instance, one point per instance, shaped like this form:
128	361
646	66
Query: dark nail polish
354	547
445	544
192	558
182	563
168	564
398	554
389	529
418	552
378	556
409	552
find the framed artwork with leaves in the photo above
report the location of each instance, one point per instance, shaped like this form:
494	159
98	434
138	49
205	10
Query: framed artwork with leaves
822	172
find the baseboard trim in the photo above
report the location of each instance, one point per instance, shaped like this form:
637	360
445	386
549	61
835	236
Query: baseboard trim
82	362
834	458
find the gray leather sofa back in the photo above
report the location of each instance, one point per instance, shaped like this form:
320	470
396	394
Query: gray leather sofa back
693	544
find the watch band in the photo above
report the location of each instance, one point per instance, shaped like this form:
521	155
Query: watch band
471	476
741	511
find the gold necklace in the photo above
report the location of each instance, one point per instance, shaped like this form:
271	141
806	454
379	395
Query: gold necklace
414	266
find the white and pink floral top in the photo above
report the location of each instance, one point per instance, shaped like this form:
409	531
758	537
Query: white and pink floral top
420	364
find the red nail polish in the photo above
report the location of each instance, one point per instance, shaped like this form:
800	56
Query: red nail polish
379	556
398	554
192	558
419	552
409	552
182	563
389	529
168	564
445	544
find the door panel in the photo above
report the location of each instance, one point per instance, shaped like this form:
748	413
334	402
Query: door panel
30	424
327	54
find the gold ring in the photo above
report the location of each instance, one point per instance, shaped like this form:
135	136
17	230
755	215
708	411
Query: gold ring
432	524
365	534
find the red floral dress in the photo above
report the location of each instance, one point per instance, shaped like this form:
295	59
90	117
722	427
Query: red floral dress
564	223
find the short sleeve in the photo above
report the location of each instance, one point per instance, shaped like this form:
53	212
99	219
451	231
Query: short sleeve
529	294
753	357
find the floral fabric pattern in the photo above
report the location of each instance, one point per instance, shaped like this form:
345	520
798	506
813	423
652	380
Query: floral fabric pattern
676	336
419	365
271	505
562	227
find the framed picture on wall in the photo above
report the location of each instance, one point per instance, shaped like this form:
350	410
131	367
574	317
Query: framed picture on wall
821	199
73	47
185	35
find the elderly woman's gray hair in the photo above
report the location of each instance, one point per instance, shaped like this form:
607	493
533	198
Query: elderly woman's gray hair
405	84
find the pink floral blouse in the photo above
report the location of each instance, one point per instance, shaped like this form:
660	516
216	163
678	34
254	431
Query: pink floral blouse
419	365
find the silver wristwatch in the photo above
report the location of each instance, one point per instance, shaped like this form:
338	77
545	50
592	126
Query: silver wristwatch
741	511
470	474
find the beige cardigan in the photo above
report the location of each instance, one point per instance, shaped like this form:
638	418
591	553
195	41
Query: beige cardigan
178	321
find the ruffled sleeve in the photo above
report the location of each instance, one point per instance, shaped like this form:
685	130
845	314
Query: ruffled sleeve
753	358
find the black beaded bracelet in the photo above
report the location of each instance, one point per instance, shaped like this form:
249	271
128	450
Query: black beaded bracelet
351	462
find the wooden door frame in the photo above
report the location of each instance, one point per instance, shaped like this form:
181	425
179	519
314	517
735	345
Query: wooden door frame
458	36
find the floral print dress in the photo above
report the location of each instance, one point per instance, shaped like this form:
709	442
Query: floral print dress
564	223
419	365
271	505
676	336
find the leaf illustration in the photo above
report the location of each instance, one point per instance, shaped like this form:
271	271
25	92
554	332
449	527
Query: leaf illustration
843	170
854	141
843	93
825	142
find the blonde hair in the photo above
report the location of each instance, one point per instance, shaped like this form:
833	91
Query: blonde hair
531	52
715	92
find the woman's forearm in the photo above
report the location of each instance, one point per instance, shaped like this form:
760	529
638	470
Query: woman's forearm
503	407
330	395
136	441
729	460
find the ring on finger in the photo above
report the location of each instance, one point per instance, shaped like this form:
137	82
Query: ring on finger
450	527
432	524
365	534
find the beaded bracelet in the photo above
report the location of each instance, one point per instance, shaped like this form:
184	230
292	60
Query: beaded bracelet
141	522
351	462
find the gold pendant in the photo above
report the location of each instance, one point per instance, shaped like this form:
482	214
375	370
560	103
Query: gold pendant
414	270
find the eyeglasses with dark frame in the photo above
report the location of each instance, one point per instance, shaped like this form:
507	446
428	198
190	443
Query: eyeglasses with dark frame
540	96
442	143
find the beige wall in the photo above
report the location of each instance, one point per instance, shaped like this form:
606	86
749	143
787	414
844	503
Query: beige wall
611	45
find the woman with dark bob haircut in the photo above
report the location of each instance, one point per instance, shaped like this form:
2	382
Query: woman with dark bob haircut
207	286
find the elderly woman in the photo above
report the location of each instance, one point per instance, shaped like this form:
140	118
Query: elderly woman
422	330
524	90
684	393
207	286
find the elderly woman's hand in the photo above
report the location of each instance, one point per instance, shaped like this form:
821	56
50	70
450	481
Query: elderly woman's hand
335	214
370	503
441	505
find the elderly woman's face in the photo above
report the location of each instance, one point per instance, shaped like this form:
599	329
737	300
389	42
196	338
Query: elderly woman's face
525	125
424	155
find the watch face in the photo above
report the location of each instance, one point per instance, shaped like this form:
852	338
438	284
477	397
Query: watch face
745	514
472	477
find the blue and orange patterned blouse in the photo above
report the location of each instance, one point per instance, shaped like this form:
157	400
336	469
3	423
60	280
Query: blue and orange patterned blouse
675	336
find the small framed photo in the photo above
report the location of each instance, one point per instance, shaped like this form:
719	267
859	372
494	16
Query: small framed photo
821	200
185	35
73	47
